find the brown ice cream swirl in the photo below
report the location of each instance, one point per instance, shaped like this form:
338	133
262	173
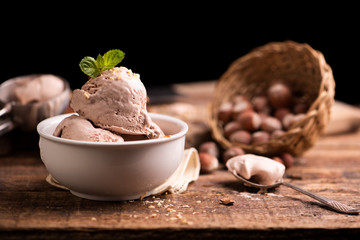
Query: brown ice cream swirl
116	101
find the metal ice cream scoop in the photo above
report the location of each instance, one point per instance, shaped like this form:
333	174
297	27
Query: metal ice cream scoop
27	116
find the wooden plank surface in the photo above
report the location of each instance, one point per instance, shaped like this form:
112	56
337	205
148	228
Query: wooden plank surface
30	208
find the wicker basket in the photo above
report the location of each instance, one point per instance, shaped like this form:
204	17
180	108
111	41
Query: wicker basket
303	69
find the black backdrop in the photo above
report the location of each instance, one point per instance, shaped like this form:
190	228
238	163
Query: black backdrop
169	46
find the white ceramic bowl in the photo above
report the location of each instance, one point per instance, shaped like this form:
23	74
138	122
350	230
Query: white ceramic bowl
112	171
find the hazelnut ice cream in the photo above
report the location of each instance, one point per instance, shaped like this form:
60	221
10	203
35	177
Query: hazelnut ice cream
36	88
261	170
116	101
78	128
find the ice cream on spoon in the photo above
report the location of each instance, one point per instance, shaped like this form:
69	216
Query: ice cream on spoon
261	170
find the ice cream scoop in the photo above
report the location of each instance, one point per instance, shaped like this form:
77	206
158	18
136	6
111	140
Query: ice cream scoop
78	128
116	101
27	100
261	172
36	88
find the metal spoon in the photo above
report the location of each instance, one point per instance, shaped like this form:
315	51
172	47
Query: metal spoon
27	116
335	205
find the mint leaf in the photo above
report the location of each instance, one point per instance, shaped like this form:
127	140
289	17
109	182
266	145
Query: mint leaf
93	68
100	62
112	58
89	67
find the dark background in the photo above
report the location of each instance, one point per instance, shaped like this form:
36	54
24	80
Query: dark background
175	43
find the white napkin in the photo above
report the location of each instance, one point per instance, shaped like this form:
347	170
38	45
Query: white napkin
188	171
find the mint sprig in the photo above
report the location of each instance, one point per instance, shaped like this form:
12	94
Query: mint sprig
93	68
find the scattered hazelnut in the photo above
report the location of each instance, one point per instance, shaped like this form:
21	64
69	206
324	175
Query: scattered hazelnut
240	136
279	95
231	127
288	159
260	137
232	152
249	120
208	162
271	124
209	147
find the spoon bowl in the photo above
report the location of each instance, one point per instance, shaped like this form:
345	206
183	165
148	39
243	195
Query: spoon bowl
252	184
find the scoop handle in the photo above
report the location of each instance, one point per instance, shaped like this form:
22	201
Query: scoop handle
6	126
335	205
5	109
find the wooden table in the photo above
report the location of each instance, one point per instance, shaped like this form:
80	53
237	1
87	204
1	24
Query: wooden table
30	208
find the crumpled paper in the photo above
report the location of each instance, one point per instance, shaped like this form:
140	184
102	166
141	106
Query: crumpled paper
187	172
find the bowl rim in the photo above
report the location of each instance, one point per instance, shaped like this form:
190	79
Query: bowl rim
46	122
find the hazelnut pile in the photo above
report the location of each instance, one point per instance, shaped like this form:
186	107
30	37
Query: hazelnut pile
252	121
257	120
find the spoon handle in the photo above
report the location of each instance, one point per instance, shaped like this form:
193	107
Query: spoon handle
335	205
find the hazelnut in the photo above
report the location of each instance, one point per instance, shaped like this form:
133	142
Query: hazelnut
260	137
271	124
300	107
277	133
279	95
232	152
281	113
299	117
290	119
231	127
288	159
208	162
225	111
209	147
239	98
263	115
261	104
241	136
249	120
240	107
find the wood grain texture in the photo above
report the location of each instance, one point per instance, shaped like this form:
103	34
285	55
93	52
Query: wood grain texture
30	208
